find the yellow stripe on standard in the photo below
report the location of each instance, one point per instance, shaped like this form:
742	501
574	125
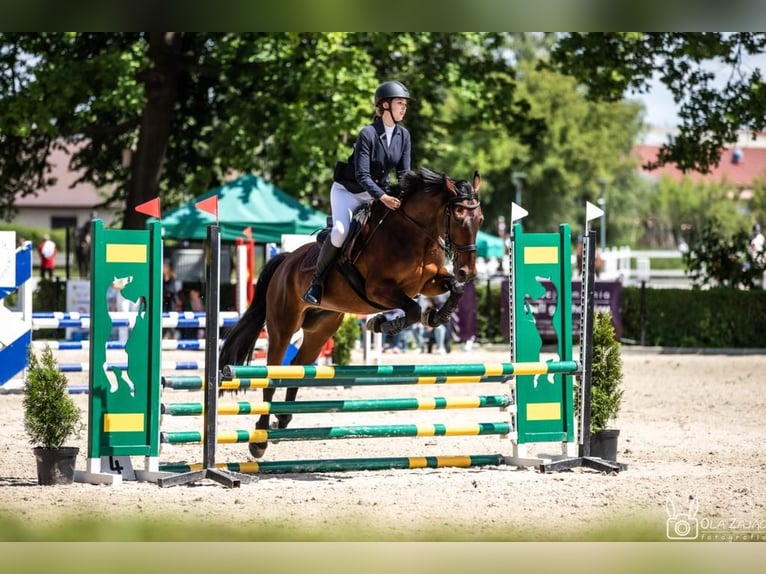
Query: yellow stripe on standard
124	422
126	253
543	411
541	255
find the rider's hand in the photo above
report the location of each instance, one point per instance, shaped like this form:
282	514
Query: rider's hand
390	202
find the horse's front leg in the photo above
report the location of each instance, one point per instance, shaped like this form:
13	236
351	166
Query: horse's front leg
440	316
406	312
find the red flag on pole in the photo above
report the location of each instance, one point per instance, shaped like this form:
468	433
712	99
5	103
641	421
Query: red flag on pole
210	205
151	207
248	233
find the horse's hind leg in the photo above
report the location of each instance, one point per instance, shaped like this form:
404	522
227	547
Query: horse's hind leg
258	449
277	347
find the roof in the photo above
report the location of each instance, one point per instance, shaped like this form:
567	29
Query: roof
62	194
751	164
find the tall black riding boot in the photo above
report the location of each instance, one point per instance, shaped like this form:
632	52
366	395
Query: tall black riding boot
327	253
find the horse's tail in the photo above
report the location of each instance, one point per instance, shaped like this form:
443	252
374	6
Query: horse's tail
240	341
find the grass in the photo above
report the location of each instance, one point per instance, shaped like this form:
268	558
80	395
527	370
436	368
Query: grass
184	529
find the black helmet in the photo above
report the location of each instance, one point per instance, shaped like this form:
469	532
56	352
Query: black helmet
393	89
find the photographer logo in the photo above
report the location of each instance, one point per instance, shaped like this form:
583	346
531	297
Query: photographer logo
682	526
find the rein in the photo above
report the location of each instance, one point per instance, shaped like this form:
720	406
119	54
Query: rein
445	243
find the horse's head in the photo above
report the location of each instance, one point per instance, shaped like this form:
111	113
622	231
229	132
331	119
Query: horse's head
464	218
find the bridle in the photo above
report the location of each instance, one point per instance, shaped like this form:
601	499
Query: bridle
446	243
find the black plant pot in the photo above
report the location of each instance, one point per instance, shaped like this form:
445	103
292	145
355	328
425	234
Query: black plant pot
603	444
55	465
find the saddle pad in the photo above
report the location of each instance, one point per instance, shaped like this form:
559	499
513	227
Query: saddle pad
310	260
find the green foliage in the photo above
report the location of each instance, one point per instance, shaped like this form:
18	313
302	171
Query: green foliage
612	65
714	318
606	391
35	234
50	414
345	339
288	105
716	260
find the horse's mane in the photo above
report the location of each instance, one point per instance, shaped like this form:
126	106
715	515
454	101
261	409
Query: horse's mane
424	177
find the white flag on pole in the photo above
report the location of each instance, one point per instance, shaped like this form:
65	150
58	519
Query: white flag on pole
592	211
517	212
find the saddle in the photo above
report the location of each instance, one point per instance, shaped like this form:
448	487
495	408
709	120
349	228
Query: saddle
348	252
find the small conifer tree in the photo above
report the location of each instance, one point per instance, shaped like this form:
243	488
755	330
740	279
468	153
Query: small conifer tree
50	415
606	391
345	338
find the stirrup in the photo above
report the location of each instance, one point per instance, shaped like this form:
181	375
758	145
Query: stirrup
313	295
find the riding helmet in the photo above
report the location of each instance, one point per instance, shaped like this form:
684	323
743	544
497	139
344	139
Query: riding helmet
389	90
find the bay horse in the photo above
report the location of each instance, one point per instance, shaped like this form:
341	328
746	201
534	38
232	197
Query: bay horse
397	255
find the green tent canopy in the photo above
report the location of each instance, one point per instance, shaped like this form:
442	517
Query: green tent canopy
489	246
249	201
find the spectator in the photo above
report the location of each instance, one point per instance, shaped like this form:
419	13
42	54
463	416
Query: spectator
433	336
757	241
193	302
47	251
171	294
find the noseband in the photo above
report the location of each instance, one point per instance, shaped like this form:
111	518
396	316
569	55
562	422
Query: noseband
460	201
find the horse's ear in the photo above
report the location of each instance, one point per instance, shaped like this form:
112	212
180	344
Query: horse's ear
476	181
449	184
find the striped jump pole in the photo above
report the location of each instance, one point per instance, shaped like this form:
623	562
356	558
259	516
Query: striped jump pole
338	432
346	464
191	382
421	371
342	406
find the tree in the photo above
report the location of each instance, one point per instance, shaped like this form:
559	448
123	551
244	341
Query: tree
172	114
613	65
579	142
719	260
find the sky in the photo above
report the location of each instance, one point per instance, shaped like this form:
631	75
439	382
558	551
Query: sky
661	110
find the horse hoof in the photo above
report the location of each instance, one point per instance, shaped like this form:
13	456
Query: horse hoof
374	323
258	449
392	327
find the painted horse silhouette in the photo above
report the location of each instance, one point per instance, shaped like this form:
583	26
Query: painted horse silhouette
395	256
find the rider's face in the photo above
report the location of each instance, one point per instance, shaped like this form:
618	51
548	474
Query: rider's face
398	108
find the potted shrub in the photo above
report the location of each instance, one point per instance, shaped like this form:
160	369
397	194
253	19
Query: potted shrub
50	418
606	388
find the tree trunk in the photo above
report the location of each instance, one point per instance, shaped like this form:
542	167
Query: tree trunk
161	84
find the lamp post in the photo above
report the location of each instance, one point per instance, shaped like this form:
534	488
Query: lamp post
518	177
602	204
